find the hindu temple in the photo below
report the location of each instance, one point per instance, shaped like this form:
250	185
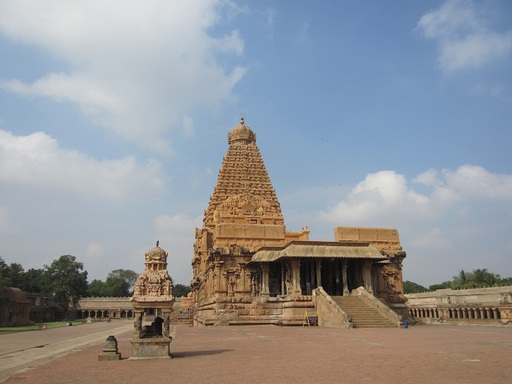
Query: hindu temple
249	269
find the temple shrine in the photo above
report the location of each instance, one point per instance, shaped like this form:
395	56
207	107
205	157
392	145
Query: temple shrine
249	269
152	302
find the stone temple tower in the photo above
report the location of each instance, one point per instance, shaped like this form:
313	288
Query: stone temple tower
243	215
244	208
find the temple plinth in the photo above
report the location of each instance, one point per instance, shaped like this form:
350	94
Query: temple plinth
152	302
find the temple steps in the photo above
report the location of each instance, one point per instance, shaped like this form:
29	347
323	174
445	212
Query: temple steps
363	316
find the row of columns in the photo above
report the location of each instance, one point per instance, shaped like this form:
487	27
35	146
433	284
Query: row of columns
295	286
457	313
105	313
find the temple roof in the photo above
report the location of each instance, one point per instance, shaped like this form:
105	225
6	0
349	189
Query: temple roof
241	134
317	250
156	255
243	189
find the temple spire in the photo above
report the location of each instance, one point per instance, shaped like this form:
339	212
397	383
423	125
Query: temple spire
244	192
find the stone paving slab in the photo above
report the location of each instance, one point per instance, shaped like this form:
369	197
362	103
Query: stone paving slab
270	354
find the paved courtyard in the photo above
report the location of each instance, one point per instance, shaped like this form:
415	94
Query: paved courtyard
269	354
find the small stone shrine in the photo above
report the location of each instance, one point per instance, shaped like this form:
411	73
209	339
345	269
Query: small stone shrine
152	302
110	351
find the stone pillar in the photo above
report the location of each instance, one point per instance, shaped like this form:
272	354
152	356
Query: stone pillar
495	313
488	312
265	279
283	280
338	288
219	276
344	267
243	283
296	276
318	272
367	276
312	274
137	324
166	315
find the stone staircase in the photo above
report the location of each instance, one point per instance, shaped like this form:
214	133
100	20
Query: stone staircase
362	315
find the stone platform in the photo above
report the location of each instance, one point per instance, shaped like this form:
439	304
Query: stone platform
151	348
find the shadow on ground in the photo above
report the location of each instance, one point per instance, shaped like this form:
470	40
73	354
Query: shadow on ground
178	355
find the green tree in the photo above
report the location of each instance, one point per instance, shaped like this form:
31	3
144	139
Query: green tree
16	275
462	280
33	281
95	288
5	282
484	278
180	290
127	275
444	285
65	281
411	287
116	287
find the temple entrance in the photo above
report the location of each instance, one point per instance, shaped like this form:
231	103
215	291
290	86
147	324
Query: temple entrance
275	279
332	282
325	272
308	276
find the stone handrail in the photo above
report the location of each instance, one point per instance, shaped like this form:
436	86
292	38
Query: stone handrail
375	303
329	313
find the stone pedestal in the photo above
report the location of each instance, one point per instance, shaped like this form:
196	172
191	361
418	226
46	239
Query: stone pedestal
151	348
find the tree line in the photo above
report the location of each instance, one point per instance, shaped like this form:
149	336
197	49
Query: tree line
65	281
479	278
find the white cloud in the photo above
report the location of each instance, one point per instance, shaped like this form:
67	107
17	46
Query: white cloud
386	195
37	161
137	68
460	220
476	182
95	250
463	37
379	195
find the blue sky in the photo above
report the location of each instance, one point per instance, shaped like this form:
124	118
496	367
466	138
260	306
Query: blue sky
114	119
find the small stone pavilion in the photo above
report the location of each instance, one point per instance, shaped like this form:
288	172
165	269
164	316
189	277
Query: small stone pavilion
249	269
152	303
